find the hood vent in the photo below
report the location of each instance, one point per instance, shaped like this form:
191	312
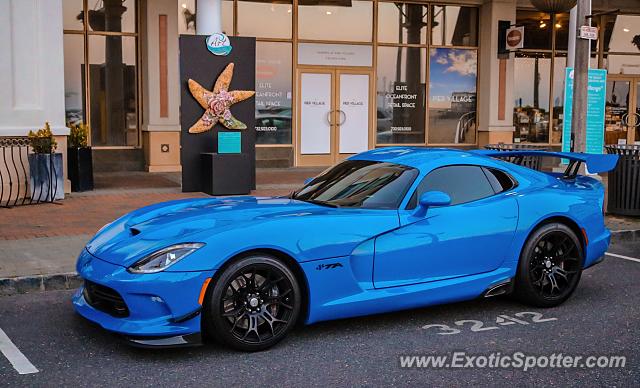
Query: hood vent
134	231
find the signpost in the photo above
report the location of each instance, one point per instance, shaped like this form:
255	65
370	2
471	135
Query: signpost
596	97
515	38
588	32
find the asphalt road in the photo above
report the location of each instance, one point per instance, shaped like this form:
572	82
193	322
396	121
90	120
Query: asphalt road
602	318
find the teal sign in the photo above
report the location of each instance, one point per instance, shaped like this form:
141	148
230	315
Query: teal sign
229	142
219	44
596	98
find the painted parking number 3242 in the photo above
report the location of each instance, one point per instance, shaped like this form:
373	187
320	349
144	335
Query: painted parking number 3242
521	318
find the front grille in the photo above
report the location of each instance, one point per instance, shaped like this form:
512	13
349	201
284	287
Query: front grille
105	299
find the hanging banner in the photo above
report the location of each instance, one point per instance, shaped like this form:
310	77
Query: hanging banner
596	98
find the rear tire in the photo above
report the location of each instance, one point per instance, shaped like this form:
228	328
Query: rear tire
550	266
253	305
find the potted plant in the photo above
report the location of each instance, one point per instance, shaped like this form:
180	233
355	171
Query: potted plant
45	166
79	158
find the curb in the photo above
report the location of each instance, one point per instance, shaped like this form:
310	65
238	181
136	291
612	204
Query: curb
39	283
71	280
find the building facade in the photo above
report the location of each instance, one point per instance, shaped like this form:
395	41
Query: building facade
333	77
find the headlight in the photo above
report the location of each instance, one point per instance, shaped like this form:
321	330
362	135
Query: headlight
164	258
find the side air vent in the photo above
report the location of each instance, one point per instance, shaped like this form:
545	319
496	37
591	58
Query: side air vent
134	231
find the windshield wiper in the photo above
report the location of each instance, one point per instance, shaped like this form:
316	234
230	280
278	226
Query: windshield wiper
316	202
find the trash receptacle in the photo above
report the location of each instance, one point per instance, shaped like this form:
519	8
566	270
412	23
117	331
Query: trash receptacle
533	162
624	181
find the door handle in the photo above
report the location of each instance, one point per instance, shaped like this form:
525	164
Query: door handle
329	117
342	114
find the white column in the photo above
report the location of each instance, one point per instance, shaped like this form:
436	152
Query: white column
208	17
31	66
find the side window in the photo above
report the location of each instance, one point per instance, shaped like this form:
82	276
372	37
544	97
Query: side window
500	181
462	183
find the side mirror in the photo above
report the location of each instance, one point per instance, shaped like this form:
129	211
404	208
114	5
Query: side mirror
431	198
307	181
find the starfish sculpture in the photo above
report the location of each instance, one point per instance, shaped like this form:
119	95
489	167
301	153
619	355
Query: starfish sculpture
217	103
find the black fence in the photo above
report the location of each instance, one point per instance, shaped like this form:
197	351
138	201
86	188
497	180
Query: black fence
14	175
624	181
532	162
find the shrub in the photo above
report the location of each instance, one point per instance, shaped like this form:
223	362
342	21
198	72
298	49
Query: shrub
78	135
43	141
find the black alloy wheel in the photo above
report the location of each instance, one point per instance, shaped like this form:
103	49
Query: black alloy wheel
254	304
550	266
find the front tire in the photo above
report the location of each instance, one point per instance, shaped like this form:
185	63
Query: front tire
253	305
550	266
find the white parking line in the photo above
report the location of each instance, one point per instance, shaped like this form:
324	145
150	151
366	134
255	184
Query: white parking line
623	257
20	363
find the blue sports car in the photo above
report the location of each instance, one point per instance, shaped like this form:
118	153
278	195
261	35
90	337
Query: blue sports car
388	229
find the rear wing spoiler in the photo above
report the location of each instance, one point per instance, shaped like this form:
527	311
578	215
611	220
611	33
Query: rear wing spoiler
595	163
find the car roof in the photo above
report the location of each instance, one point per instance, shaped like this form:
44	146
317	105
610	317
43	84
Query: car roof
418	157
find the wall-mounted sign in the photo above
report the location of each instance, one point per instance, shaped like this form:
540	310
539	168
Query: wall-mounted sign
229	142
219	44
515	38
596	98
335	54
217	103
588	32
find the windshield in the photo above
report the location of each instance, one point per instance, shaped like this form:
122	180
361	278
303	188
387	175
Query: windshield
360	184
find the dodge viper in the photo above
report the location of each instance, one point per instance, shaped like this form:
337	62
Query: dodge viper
388	229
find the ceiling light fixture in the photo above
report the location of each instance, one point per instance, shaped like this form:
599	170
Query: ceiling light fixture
626	30
328	12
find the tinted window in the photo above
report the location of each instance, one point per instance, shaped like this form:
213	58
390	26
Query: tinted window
462	183
500	181
360	183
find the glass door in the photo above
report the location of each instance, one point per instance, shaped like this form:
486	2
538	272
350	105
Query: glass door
334	115
622	111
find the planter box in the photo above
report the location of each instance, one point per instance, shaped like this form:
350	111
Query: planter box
80	168
46	177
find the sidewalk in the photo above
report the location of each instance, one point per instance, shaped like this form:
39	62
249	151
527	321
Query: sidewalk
39	241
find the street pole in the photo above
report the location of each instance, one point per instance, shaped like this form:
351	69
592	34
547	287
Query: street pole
580	79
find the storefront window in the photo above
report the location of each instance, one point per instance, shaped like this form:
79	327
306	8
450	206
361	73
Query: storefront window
561	27
72	15
538	29
112	15
187	17
402	23
345	21
109	80
622	64
559	66
454	26
531	90
265	19
112	90
400	95
73	76
273	93
452	96
622	33
616	111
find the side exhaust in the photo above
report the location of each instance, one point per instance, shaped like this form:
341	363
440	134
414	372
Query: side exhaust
503	288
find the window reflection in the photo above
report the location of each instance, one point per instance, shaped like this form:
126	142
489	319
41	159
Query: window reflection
344	20
559	66
537	29
252	15
452	96
187	17
454	26
111	15
531	91
273	93
616	117
400	95
402	23
73	78
113	83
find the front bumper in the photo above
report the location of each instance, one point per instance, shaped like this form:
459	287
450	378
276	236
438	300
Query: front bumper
159	306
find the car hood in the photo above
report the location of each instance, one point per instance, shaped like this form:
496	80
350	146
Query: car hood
149	229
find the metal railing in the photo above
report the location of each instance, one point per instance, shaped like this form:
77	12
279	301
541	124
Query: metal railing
14	175
533	162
